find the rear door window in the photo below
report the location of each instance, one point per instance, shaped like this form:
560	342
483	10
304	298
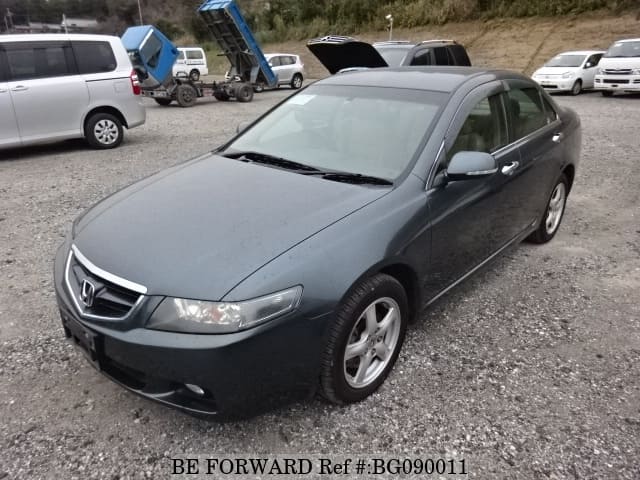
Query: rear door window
442	57
423	57
526	112
28	61
94	57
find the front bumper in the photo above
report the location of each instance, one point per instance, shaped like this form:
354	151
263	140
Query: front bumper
242	373
617	83
556	84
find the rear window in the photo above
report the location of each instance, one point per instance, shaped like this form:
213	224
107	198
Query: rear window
94	57
527	113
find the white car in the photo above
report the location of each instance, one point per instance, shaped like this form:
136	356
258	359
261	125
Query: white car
191	63
58	86
288	68
569	71
619	70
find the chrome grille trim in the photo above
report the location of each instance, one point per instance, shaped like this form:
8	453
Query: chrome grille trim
98	272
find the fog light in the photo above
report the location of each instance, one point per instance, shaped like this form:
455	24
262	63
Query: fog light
195	389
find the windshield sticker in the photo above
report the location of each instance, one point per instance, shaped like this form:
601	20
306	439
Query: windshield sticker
301	99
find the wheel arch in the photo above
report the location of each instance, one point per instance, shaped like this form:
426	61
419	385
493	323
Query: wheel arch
570	172
103	109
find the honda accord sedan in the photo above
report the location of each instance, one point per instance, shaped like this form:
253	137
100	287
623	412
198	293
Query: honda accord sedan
290	260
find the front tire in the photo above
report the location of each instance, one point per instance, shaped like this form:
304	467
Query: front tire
577	88
103	131
296	81
365	340
244	93
164	101
554	212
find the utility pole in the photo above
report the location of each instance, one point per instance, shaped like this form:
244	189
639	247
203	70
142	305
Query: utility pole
64	23
390	27
8	20
140	11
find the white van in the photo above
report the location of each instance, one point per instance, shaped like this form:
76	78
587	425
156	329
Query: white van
191	63
619	69
58	86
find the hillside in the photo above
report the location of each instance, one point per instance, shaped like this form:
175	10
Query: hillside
520	44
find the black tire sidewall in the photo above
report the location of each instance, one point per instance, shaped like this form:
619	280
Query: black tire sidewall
90	135
371	290
573	88
194	75
293	81
184	88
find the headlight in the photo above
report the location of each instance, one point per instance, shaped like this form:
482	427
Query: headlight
195	316
599	71
568	74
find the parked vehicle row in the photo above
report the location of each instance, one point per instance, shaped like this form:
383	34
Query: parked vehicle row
616	70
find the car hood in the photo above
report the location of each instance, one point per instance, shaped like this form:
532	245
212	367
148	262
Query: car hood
337	55
555	70
619	62
197	230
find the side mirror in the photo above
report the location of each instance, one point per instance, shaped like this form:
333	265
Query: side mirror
242	126
471	165
588	65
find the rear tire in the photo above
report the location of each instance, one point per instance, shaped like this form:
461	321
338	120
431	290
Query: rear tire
244	93
364	340
577	88
103	131
554	211
296	81
186	95
163	101
221	96
194	75
607	93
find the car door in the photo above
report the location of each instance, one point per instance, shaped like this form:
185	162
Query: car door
286	68
469	223
539	137
274	62
8	125
49	97
590	67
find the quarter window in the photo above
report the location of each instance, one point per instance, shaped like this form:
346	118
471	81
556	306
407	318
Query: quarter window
94	57
526	112
550	111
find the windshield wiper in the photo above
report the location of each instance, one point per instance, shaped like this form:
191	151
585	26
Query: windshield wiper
267	159
355	178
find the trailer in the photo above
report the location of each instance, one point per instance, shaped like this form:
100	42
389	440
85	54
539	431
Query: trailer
153	55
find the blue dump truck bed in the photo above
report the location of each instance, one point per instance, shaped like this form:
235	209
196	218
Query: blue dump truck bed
152	55
229	28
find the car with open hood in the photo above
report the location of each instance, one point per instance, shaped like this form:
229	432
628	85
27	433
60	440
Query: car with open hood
339	53
291	259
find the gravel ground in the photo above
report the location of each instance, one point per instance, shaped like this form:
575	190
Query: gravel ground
531	369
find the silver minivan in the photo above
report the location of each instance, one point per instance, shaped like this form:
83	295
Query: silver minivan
58	86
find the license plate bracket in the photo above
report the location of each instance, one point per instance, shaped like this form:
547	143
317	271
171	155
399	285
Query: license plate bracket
84	339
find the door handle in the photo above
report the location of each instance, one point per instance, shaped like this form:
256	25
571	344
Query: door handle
19	88
509	168
557	137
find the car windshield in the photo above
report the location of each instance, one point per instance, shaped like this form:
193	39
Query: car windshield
393	55
369	131
624	49
566	61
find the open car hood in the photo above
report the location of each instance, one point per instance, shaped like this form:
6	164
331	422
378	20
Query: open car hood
338	53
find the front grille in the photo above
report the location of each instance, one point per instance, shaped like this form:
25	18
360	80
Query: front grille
613	71
95	296
609	80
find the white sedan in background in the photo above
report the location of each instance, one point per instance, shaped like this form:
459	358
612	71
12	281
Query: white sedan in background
569	71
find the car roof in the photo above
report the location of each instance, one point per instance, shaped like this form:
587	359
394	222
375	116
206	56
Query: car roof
47	37
628	40
439	79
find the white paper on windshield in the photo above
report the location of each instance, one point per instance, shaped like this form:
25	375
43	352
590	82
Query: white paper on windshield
301	99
